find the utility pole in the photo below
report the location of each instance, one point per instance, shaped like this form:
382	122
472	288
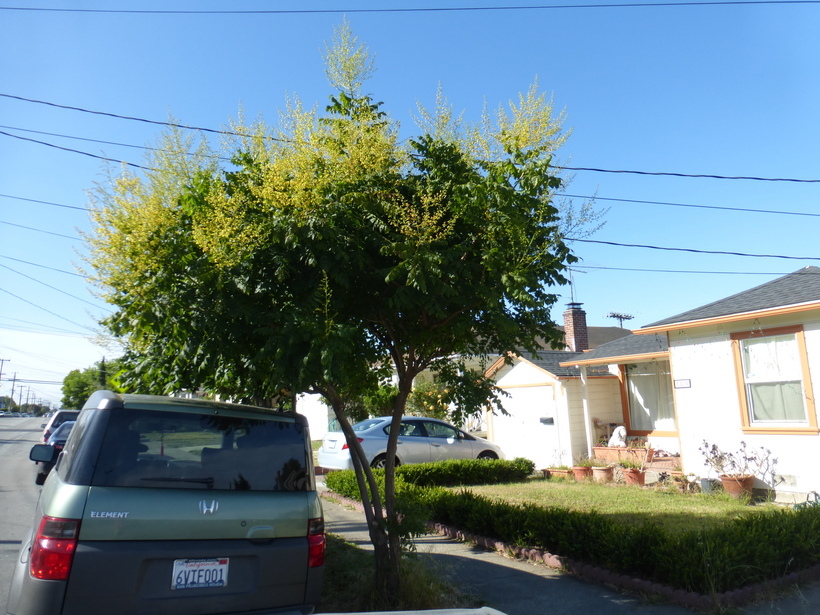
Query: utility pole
1	374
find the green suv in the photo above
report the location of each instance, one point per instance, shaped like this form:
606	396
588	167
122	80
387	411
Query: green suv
167	505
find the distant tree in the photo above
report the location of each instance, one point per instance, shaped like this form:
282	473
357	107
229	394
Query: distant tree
78	385
332	254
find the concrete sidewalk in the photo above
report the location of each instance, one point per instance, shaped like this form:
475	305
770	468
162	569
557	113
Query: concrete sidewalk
517	587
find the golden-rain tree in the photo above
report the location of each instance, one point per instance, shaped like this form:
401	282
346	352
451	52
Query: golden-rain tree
330	253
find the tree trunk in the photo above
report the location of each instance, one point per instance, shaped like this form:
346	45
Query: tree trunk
386	545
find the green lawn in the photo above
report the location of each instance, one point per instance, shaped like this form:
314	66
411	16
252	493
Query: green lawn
627	504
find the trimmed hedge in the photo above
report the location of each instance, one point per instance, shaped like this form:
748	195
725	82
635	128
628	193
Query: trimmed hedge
448	473
744	551
748	550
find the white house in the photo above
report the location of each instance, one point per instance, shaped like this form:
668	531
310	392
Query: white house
741	369
548	404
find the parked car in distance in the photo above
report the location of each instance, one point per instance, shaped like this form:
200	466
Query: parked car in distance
169	505
57	419
421	440
57	442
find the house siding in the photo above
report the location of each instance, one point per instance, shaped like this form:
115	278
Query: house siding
534	394
709	408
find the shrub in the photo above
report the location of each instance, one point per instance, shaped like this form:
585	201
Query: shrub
448	473
744	551
747	550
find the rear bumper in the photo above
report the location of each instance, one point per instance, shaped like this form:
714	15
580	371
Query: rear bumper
335	460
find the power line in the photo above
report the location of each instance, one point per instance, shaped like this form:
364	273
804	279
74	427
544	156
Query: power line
226	159
137	119
412	10
11	258
54	330
27	381
638	270
142	147
22	198
55	288
692	250
741	209
610	243
38	230
572	196
691	175
44	309
76	151
223	132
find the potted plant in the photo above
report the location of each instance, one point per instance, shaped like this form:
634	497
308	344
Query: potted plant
560	471
635	450
582	469
602	472
634	471
737	470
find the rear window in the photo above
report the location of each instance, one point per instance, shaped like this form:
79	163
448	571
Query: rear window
180	450
62	416
365	425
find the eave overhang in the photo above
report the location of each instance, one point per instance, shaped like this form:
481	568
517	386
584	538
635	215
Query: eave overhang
617	360
785	310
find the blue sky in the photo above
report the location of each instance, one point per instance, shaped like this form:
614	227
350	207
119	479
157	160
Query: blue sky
700	90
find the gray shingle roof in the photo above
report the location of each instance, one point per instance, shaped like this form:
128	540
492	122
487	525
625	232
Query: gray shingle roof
630	345
550	360
802	286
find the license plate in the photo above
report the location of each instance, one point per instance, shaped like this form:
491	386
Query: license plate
196	573
331	445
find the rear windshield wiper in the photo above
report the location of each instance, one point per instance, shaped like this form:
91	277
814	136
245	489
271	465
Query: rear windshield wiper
165	479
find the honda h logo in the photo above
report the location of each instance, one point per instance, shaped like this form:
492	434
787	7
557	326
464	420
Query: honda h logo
208	509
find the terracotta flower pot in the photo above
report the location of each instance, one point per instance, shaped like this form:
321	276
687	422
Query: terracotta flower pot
738	486
603	474
634	476
582	472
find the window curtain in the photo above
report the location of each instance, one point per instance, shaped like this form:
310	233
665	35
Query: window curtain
774	380
651	407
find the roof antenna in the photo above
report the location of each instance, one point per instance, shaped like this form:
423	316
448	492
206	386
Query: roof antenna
572	283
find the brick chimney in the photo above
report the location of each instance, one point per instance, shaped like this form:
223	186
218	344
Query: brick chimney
575	328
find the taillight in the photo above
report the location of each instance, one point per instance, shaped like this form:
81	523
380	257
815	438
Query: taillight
316	542
53	548
345	446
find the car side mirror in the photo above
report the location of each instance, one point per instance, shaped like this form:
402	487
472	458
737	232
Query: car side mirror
43	426
43	453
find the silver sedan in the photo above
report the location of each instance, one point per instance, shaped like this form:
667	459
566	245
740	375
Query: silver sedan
421	440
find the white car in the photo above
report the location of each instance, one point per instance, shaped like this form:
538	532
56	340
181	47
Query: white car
421	440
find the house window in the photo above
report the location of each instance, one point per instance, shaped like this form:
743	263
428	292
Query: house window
649	390
775	389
